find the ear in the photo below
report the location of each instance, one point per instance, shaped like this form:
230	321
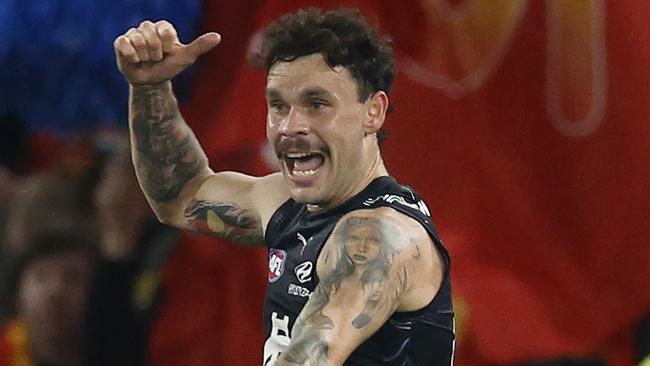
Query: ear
376	108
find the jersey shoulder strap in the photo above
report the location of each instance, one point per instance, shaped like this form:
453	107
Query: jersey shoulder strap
406	201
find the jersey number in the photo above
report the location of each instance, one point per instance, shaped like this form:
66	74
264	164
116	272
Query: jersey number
278	340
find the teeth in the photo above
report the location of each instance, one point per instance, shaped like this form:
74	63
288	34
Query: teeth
304	173
297	155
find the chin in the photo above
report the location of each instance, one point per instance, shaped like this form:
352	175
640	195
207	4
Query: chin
302	197
305	195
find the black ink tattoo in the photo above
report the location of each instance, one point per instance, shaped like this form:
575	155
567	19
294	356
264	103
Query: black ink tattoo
364	253
364	244
308	347
225	221
168	153
416	255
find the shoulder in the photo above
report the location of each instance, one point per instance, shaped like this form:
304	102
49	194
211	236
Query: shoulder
383	242
382	232
395	228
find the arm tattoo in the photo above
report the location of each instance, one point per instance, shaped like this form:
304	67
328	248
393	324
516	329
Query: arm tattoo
167	153
363	254
226	221
416	255
308	346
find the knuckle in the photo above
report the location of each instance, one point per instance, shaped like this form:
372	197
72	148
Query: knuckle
167	33
122	41
163	23
118	42
138	42
146	24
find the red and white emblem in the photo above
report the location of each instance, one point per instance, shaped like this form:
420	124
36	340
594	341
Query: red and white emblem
277	258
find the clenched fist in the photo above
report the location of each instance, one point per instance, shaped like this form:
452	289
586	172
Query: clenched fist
152	53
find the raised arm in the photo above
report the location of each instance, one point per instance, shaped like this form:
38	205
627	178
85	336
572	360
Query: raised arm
167	156
375	262
171	166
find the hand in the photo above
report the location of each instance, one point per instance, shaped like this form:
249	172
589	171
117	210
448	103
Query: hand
152	53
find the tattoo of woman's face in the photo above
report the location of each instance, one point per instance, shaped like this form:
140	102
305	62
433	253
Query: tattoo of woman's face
365	242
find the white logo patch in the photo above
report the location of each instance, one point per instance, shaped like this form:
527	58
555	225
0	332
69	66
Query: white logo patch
303	242
296	290
303	271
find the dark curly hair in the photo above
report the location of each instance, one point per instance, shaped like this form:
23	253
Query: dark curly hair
343	37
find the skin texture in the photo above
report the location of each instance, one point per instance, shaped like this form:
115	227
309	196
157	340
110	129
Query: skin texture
375	262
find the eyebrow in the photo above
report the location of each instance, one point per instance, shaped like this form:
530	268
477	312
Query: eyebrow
316	92
272	93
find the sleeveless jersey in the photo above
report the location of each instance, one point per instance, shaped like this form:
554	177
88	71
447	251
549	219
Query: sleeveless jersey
295	237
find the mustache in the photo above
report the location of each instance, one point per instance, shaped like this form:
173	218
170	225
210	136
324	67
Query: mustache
298	143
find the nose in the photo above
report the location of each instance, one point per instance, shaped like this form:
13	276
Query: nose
363	246
293	124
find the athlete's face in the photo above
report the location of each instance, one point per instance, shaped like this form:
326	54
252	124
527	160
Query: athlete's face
315	122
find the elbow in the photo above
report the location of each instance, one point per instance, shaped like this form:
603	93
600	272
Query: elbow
169	217
165	219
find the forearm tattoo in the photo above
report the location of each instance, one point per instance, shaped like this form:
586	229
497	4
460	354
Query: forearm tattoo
167	154
363	255
226	221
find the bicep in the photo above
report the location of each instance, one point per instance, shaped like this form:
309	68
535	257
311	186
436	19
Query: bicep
363	273
228	205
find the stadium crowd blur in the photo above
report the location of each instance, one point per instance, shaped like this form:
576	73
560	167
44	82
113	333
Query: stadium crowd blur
523	123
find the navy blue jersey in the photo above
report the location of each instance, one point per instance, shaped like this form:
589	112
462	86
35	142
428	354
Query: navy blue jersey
295	237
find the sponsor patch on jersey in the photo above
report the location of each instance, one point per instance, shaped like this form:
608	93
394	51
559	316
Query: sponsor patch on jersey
297	290
277	257
304	242
303	271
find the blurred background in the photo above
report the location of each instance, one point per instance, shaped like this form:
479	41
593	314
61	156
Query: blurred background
524	123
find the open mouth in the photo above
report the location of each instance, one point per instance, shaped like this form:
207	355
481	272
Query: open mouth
303	164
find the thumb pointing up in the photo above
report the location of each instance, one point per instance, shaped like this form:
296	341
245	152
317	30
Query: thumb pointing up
203	44
152	53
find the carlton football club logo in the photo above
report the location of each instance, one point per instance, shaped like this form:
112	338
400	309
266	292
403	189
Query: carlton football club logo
277	257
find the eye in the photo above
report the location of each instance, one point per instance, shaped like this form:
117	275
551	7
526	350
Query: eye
277	105
318	104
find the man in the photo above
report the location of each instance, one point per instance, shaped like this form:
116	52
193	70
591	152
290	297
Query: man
50	288
357	274
50	272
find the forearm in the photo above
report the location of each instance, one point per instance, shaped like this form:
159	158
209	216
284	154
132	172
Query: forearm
308	352
310	342
166	154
